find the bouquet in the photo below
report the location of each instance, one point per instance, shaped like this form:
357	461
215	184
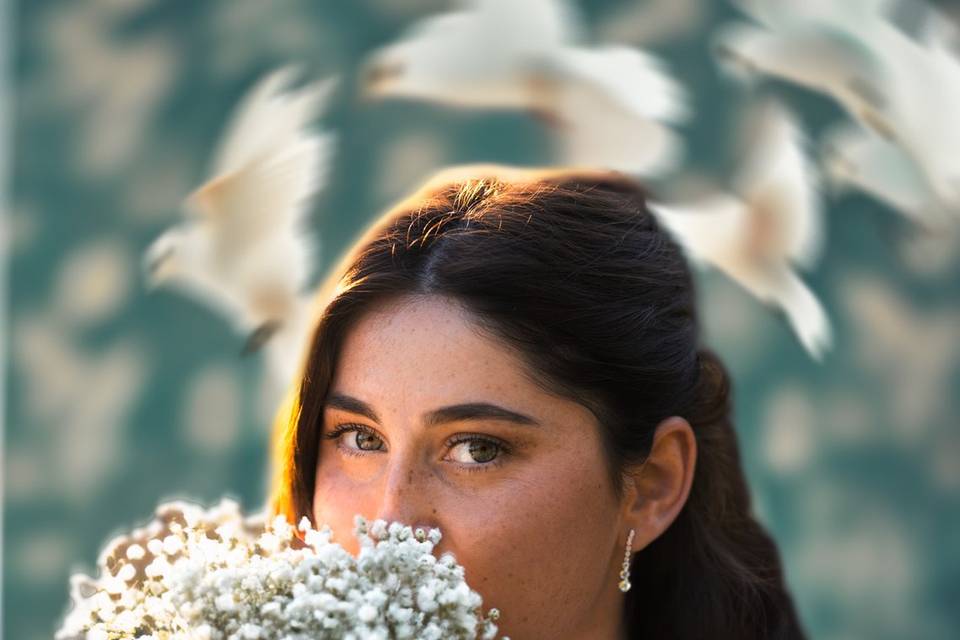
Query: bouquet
196	574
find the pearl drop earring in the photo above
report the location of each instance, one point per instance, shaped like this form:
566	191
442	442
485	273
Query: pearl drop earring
625	571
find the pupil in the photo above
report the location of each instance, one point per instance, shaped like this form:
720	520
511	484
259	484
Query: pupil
479	444
360	439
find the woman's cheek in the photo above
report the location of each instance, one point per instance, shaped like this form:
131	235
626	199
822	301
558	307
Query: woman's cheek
335	502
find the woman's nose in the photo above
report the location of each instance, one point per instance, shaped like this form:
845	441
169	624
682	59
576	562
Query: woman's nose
408	496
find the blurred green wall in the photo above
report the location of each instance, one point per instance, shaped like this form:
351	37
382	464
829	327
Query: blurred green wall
118	397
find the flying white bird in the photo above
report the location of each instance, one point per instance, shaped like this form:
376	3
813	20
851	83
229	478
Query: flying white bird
856	157
767	226
814	48
906	89
242	248
610	106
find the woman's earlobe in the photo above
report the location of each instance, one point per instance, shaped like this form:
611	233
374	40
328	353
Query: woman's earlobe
660	486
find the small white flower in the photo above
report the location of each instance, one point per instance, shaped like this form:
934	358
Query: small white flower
97	633
226	602
127	572
426	599
367	613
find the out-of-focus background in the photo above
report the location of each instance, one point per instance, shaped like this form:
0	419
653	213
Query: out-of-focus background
118	397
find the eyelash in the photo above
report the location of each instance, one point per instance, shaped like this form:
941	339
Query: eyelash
503	449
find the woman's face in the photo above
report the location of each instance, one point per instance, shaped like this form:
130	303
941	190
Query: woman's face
444	430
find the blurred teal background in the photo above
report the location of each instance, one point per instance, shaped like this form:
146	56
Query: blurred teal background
118	398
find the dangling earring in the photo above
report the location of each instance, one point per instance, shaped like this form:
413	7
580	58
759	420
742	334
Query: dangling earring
625	571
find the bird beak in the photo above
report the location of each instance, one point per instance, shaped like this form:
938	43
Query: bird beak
152	267
836	184
726	54
736	64
259	337
375	75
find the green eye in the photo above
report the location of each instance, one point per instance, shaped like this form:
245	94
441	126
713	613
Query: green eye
362	436
480	450
486	451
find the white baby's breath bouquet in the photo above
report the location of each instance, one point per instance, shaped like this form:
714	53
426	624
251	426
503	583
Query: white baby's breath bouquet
212	574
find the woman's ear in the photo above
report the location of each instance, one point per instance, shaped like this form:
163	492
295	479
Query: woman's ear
658	488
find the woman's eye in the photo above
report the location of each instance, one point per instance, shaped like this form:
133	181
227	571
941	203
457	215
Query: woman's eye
474	451
366	441
363	439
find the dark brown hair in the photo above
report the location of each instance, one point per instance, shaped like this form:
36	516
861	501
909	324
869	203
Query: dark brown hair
570	268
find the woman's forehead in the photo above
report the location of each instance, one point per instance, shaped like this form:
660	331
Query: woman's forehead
431	353
428	339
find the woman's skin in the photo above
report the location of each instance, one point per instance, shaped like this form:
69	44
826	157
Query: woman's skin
541	535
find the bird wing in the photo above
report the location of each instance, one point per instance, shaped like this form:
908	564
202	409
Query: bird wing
614	104
708	228
637	81
441	29
882	169
532	24
819	58
266	199
541	24
244	134
267	118
803	310
785	12
710	231
268	165
780	186
928	122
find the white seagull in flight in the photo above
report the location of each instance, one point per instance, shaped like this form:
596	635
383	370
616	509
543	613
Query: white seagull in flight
769	224
610	106
242	248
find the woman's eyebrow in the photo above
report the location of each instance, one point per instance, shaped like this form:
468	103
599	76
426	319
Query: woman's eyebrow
452	413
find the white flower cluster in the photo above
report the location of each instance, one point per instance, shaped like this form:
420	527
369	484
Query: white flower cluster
195	574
